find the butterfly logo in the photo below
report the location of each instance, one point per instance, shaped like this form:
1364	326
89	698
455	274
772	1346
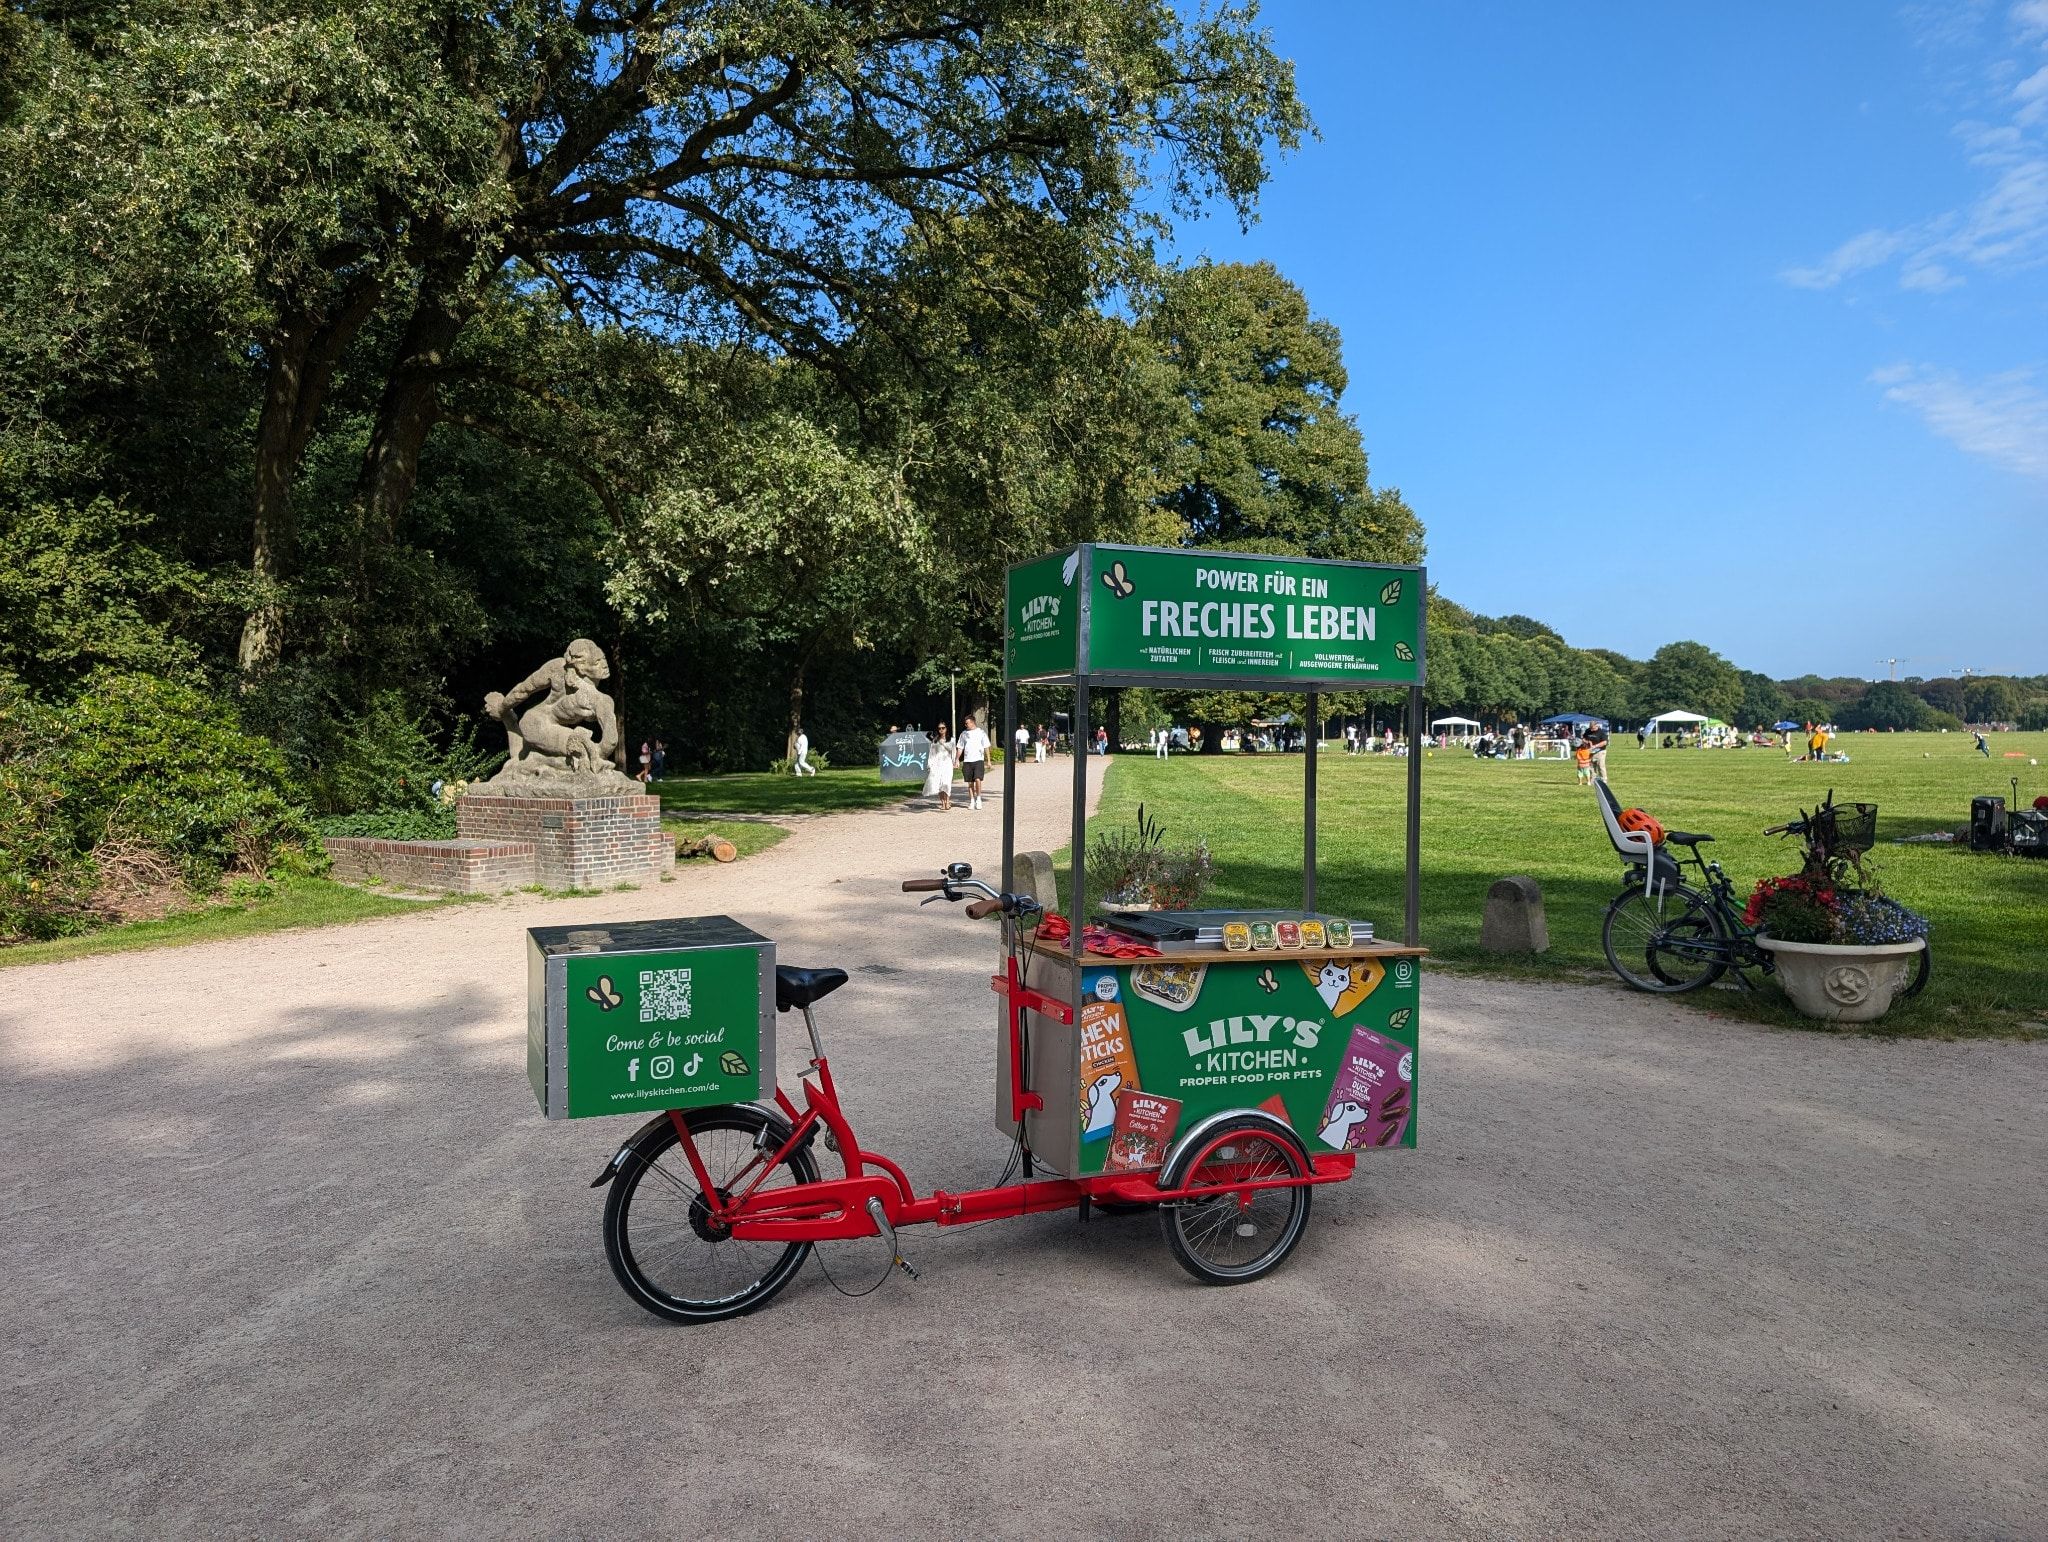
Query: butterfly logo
1118	582
604	993
1266	982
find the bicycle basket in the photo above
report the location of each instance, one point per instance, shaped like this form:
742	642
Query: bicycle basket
1846	829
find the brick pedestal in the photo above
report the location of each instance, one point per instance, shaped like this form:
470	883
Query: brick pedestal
452	867
579	843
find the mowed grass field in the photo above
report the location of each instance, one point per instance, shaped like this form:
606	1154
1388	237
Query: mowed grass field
1483	820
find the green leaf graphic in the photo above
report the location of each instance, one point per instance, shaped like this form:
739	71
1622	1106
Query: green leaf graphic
1399	1019
1404	653
733	1063
1391	595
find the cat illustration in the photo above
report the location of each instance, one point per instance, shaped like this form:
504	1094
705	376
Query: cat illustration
1332	981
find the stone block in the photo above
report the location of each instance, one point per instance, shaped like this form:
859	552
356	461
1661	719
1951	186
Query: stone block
1031	873
1513	922
579	843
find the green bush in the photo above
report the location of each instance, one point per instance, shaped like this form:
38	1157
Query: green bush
46	882
377	757
411	824
154	769
167	764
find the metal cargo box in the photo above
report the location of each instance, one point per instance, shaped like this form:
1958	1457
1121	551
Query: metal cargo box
635	1016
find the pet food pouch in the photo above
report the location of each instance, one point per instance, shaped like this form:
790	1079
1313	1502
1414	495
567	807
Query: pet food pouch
1339	933
1289	933
1370	1099
1237	937
1264	939
1312	934
1109	1067
1143	1129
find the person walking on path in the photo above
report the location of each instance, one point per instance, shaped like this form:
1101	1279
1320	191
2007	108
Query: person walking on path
938	769
1102	741
1983	744
1023	742
973	760
1162	745
646	762
1596	741
803	766
660	760
1038	745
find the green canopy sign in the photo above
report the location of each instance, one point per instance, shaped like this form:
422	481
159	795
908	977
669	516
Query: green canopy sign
1141	615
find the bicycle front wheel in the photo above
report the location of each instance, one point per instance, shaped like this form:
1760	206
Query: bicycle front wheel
1667	942
664	1246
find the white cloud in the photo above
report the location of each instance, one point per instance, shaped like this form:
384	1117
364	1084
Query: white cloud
2004	228
2003	418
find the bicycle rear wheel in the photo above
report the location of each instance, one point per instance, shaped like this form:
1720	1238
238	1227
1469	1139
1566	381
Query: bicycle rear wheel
1666	943
658	1232
1231	1236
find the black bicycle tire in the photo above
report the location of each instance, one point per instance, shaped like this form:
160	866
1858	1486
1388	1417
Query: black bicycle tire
648	1146
1695	903
1173	1216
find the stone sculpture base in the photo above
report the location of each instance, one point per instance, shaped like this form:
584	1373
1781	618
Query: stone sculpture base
579	843
505	842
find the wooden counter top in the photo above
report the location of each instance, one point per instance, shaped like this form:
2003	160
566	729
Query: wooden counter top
1226	956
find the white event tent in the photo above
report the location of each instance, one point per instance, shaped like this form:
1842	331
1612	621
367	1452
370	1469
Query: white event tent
1460	727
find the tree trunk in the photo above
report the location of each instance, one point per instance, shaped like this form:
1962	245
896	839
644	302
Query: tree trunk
263	630
1114	720
300	365
405	416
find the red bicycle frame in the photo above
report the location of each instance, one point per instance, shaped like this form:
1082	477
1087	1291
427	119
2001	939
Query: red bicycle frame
835	1208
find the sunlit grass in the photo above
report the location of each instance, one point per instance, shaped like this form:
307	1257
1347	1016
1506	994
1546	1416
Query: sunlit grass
1484	820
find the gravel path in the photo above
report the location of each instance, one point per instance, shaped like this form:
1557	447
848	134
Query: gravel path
288	1250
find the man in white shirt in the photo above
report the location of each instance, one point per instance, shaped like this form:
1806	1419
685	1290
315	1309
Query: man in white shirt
803	766
973	760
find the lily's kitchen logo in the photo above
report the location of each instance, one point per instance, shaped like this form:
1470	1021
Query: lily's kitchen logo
1041	614
1251	1043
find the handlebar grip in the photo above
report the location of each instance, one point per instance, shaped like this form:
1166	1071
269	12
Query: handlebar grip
982	908
920	885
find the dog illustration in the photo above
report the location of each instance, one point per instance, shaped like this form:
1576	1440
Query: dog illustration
1342	1119
1102	1105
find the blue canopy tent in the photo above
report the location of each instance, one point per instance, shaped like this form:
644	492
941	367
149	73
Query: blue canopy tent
1574	719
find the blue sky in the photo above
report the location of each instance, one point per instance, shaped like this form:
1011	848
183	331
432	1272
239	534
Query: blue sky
1719	321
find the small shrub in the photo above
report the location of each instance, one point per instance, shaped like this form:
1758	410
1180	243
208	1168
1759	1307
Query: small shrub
1136	867
817	761
412	824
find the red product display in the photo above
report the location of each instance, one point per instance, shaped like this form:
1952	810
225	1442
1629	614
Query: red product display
1099	940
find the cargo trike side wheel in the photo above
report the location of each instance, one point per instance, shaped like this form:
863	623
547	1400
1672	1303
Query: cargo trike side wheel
659	1233
1227	1232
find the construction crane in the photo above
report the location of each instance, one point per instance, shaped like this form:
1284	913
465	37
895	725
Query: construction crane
1895	663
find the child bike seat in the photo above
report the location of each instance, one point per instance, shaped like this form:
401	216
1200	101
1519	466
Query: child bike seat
796	988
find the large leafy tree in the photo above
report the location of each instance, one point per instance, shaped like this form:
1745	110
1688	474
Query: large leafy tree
1690	676
747	171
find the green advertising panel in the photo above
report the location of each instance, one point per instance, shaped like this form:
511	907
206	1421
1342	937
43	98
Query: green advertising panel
1042	617
1227	615
1328	1044
662	1030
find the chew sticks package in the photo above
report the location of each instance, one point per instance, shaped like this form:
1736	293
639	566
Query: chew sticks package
1369	1098
1109	1067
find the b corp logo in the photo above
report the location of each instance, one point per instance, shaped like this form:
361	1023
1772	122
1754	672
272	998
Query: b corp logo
1404	971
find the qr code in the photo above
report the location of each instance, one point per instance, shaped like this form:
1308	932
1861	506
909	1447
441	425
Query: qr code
664	995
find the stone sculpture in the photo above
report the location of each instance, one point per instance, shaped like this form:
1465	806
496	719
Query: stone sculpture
562	731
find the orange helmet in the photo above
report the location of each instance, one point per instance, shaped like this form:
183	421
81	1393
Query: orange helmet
1639	821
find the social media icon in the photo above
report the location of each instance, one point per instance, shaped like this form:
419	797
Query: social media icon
633	1069
693	1065
662	1067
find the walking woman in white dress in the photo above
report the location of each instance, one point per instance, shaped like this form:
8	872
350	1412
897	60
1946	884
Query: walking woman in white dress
938	769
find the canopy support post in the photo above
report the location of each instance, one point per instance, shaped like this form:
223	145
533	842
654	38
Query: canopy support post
1008	880
1413	916
1077	879
1310	743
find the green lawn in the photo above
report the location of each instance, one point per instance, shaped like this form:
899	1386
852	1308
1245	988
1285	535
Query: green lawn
297	902
764	792
1484	820
749	836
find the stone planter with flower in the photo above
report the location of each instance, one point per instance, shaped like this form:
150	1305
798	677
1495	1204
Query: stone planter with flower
1134	869
1842	954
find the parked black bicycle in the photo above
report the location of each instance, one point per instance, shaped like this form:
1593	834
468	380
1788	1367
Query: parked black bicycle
1667	935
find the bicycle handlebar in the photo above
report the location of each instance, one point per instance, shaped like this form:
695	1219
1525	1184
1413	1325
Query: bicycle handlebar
920	885
985	907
